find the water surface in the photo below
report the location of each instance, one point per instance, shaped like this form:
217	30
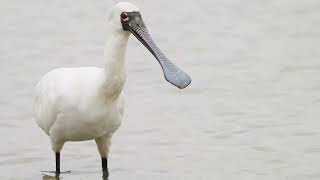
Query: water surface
251	112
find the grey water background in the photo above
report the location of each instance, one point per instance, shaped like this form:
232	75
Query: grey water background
251	112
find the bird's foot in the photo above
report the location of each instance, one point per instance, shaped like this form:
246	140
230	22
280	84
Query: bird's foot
105	174
55	172
56	175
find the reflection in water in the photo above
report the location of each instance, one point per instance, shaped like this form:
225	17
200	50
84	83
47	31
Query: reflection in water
48	177
57	177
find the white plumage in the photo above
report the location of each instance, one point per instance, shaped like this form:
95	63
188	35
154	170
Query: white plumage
77	104
73	105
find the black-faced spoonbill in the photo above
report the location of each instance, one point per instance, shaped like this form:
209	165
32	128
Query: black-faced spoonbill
78	104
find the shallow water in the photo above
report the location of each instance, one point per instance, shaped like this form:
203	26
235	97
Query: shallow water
252	111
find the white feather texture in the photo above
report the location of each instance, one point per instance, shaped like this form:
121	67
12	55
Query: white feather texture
76	104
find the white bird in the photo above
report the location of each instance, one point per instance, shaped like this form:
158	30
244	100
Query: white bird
78	104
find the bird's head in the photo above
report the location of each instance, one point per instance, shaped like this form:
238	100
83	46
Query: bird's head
126	18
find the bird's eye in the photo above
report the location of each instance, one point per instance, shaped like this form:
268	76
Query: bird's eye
124	16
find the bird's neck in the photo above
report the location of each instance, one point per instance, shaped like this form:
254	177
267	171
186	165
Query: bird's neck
115	67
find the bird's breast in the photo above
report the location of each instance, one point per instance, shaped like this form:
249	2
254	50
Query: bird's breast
78	123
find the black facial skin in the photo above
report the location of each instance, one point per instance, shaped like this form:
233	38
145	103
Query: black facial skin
134	19
172	73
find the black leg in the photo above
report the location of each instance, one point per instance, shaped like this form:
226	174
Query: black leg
58	163
105	167
57	172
